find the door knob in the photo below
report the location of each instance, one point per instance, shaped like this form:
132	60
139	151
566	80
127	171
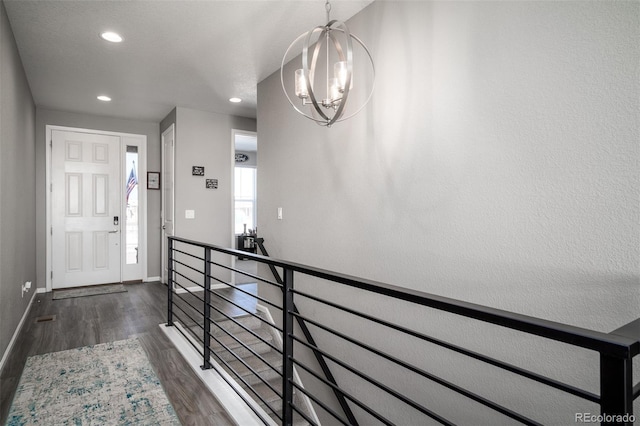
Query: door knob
113	232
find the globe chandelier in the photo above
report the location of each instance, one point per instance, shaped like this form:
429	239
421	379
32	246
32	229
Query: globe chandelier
327	48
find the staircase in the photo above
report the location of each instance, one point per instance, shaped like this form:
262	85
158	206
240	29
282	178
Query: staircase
271	375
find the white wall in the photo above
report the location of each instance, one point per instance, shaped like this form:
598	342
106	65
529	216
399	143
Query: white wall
17	186
497	163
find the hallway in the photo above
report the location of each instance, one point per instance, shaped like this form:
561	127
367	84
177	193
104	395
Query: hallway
98	319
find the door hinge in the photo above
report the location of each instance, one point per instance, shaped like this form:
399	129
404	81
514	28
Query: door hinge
52	230
50	187
51	143
51	274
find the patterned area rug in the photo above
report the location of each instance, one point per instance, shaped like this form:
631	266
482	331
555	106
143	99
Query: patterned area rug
88	291
110	383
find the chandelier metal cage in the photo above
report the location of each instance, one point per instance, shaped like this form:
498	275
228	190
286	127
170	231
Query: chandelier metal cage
335	35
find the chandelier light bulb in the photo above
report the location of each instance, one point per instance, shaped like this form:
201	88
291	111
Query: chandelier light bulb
340	73
301	84
335	94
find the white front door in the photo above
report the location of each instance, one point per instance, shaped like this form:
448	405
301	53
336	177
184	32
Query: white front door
85	209
168	142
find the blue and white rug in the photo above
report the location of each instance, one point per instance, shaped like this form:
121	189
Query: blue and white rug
110	383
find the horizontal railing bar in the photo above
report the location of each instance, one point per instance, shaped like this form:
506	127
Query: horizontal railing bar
191	318
321	404
187	291
229	383
185	301
480	357
244	345
250	404
257	277
484	401
201	352
344	393
249	368
303	415
264	321
369	379
183	287
613	345
175	250
262	299
275	348
195	337
188	279
188	266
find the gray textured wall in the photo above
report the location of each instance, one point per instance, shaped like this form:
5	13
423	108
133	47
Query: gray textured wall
17	186
497	163
46	117
205	139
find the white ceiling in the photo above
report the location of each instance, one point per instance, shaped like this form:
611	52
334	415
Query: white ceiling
188	53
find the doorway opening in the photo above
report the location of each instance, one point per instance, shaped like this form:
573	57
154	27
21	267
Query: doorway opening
96	207
244	210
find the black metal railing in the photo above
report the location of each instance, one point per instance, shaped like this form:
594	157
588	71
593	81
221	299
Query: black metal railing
404	373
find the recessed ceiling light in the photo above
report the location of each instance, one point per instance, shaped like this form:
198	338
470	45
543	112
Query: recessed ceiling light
111	36
235	100
104	98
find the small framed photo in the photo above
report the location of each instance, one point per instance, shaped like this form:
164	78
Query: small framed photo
197	171
212	183
153	180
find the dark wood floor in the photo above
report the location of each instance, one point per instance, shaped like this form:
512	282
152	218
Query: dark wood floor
98	319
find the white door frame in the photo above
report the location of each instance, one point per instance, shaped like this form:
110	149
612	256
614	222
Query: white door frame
164	247
234	133
125	139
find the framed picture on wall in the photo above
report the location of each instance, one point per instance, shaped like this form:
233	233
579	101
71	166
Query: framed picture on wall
153	180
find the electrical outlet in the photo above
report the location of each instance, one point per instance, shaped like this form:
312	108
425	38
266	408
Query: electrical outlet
25	287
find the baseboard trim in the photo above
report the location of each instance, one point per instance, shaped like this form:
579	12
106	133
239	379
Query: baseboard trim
18	330
237	409
196	288
151	279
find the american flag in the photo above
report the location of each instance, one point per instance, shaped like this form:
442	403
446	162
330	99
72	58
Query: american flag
132	182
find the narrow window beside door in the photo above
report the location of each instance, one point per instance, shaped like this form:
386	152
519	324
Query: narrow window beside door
131	219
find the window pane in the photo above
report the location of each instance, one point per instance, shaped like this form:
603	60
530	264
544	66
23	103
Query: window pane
131	217
245	199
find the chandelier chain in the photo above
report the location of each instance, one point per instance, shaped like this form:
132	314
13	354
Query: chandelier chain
327	6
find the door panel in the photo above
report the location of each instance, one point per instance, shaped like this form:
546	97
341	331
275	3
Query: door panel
86	194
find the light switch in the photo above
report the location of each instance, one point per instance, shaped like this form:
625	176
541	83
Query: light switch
189	214
279	213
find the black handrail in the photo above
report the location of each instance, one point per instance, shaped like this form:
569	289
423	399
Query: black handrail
617	391
617	346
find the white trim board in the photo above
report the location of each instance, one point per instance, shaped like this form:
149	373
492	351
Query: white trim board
16	333
180	290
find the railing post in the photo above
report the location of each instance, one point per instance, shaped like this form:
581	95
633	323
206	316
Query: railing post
287	352
616	390
170	283
207	309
